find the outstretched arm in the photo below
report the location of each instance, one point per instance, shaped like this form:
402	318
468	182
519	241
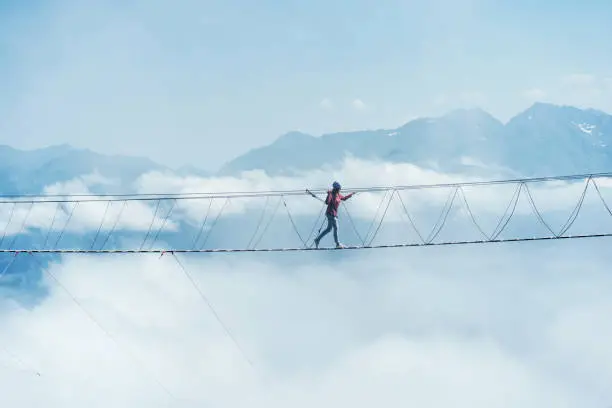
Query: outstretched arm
346	197
314	196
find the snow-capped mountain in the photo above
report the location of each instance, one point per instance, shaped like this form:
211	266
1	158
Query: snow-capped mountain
553	139
545	139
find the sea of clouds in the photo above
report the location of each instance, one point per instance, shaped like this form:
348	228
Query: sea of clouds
504	325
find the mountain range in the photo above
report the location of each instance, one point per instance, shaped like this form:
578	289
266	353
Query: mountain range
544	139
28	172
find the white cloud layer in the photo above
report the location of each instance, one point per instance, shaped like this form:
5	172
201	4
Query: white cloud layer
434	327
47	214
479	326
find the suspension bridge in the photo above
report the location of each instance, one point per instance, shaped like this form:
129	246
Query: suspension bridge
52	217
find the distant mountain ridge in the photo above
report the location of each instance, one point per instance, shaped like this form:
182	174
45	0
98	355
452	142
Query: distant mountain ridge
29	171
542	140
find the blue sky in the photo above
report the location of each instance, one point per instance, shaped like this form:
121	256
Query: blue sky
201	82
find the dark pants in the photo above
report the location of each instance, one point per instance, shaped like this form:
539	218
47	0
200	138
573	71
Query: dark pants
332	223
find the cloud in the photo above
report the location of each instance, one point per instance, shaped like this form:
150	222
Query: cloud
579	79
47	214
430	327
358	104
326	104
534	94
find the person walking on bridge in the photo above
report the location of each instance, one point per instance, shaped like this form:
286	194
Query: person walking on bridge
334	197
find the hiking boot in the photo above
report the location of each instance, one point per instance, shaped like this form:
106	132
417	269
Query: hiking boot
340	246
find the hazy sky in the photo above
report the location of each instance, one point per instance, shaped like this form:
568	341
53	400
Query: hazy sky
202	81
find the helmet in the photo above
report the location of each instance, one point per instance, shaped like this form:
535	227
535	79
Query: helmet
336	185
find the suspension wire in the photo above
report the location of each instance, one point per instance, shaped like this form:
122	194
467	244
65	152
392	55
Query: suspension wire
125	204
108	204
99	325
199	234
500	227
315	196
449	199
151	224
261	193
443	216
8	266
261	218
66	225
535	210
163	224
295	228
298	249
23	225
57	208
227	201
212	309
20	361
375	216
399	195
267	225
601	198
471	214
345	206
314	225
382	218
8	223
574	214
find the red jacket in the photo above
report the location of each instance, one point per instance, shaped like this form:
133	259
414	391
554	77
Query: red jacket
333	202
